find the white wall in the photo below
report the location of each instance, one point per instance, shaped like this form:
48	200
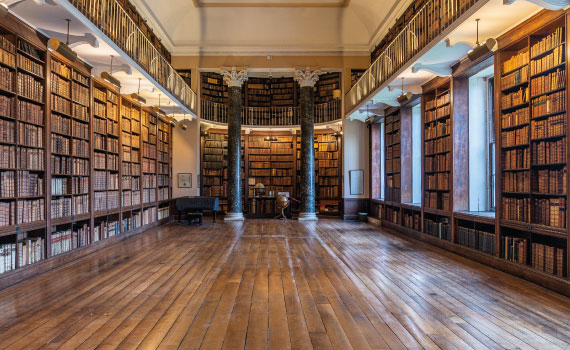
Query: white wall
186	157
355	152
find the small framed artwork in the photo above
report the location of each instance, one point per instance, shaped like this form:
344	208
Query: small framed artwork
184	180
356	179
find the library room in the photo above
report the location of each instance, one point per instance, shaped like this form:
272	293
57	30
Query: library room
331	174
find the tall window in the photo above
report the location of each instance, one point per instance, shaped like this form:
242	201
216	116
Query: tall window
481	142
417	153
491	138
382	160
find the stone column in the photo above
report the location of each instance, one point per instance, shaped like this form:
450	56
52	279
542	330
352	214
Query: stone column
307	80
234	79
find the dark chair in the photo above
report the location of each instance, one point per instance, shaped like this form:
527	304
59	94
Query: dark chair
194	207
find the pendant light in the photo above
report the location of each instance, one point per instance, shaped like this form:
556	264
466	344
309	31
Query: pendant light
108	76
63	49
481	49
137	96
404	97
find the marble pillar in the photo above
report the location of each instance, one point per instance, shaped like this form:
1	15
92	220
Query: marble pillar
234	80
307	80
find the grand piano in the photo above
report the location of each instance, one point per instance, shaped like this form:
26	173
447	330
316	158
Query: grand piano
195	206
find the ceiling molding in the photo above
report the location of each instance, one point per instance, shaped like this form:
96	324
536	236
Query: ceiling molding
285	3
264	50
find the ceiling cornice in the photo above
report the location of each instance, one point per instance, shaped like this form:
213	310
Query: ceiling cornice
264	50
199	4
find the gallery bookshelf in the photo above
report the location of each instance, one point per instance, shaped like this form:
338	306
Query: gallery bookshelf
532	104
214	165
164	156
134	185
437	158
213	88
324	87
393	161
258	92
70	157
284	92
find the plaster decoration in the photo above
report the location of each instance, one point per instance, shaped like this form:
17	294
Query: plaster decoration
307	78
234	78
74	40
547	4
439	69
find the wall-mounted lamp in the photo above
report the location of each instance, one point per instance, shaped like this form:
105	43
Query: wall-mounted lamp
481	49
404	97
337	94
63	49
108	77
138	97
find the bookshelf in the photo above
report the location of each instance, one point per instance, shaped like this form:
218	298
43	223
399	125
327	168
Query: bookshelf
258	92
532	109
149	133
284	92
437	160
61	157
393	160
214	150
355	74
164	156
133	184
328	173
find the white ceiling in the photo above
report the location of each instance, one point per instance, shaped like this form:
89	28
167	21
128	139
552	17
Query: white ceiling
255	27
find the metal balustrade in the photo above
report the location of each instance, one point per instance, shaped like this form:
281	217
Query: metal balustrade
434	17
270	116
110	17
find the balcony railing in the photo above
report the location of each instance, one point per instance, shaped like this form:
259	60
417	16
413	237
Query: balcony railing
110	17
433	18
270	116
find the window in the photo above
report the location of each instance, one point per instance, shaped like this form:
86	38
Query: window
417	154
481	141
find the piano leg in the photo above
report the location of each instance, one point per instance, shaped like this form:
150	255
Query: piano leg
214	212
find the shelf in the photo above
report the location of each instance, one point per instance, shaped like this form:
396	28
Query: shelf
514	87
549	70
514	108
546	52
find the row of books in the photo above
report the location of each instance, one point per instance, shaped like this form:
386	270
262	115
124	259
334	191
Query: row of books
516	159
106	161
549	152
518	60
440	162
516	137
6	79
516	209
549	42
439	181
554	103
437	200
515	78
439	228
105	229
437	130
548	259
21	158
392	165
547	62
516	182
412	220
437	146
26	64
549	211
7	132
515	98
29	252
60	86
149	195
60	105
29	87
476	239
516	118
550	181
60	69
106	200
546	83
515	249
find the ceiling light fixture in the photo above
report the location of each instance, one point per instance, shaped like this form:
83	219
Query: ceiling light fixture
481	49
404	97
63	49
137	96
183	125
108	76
157	110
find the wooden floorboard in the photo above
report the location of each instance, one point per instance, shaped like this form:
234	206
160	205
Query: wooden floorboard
275	284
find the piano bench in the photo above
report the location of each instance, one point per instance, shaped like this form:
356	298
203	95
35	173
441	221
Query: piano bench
194	218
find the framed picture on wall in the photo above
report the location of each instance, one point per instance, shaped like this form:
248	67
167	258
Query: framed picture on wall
184	180
356	180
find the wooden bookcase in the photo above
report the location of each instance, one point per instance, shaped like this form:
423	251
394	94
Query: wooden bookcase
437	153
214	166
284	92
61	158
258	92
532	186
327	83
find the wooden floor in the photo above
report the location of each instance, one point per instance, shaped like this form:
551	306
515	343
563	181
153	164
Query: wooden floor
270	284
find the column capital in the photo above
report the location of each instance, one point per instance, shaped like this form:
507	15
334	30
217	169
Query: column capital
306	77
234	78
